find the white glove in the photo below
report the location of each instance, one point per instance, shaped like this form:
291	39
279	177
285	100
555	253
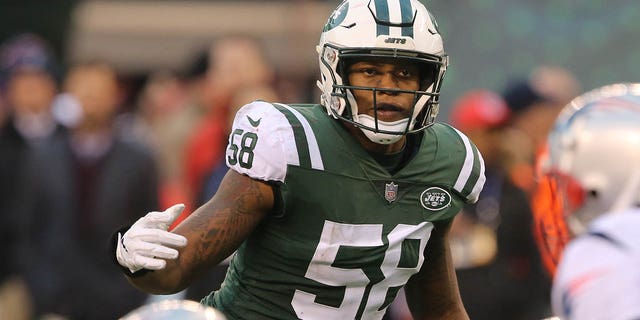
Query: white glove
147	244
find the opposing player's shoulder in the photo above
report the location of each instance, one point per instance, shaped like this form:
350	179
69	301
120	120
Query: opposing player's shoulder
267	137
581	280
459	156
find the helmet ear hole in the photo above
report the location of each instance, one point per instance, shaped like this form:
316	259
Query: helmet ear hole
428	76
593	193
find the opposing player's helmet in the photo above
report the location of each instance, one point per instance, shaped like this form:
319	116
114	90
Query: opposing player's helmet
400	29
174	310
594	154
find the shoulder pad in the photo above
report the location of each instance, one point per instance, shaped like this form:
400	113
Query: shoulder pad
471	177
264	141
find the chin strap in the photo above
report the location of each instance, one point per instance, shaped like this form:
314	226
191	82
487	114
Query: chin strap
399	126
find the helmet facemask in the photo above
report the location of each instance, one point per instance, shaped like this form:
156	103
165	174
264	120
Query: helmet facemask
353	34
342	104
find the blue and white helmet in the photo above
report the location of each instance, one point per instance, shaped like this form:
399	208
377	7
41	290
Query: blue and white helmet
594	154
401	29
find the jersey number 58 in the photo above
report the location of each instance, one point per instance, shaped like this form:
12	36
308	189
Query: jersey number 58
242	150
356	281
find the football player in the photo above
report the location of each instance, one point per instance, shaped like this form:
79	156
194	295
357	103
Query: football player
594	167
332	208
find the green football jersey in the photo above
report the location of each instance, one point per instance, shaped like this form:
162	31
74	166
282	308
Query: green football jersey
350	233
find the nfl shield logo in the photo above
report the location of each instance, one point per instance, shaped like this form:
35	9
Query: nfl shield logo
390	191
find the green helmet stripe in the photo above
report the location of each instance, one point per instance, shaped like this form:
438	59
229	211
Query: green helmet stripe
383	15
382	12
337	17
407	16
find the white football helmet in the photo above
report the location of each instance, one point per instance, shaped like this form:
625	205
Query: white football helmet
400	29
174	310
594	154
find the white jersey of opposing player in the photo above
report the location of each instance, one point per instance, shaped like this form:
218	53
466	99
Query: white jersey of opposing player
599	274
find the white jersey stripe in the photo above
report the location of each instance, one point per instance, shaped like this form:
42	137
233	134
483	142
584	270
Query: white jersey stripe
475	192
314	150
289	145
467	167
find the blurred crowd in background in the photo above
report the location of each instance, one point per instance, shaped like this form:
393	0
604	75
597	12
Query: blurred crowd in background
86	148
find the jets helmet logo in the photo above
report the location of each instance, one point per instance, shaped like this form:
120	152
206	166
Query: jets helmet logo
337	17
435	198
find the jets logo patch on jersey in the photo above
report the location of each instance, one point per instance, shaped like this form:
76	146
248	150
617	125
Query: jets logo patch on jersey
435	199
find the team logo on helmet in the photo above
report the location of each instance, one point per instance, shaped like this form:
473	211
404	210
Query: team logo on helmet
390	192
337	17
435	199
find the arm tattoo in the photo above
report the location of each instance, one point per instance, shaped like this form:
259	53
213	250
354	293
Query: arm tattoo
221	225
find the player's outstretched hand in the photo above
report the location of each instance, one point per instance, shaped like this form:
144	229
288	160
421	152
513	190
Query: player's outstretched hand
148	244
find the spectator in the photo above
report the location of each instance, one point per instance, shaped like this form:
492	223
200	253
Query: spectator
556	83
87	185
213	279
243	58
160	120
534	101
499	271
28	84
550	231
